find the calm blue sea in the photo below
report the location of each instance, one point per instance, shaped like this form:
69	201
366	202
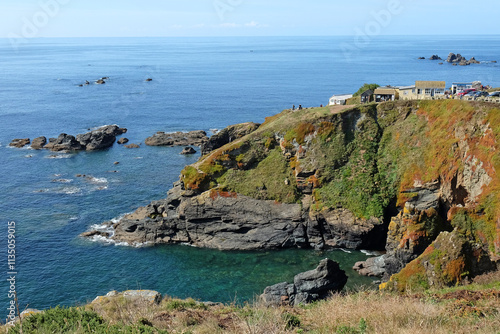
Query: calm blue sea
198	83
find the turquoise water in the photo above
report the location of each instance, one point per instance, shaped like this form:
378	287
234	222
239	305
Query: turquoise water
197	84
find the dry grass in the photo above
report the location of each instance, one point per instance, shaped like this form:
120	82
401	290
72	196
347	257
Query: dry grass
387	313
473	309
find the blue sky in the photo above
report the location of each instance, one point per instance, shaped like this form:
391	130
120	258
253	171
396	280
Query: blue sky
131	18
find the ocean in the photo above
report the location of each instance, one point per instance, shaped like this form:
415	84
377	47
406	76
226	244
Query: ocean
198	84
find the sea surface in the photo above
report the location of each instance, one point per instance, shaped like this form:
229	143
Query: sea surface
198	83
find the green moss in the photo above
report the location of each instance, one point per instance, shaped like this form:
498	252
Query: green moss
268	180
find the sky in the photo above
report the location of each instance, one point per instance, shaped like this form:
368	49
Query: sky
154	18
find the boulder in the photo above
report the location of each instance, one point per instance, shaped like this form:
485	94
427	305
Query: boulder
96	140
101	138
100	82
372	267
194	138
227	135
148	296
123	141
132	146
451	58
463	62
64	142
435	57
188	150
38	143
421	58
19	142
149	79
308	286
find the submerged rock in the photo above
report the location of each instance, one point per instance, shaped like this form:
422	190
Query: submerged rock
308	286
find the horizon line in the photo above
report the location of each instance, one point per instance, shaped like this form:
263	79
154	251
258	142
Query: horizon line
262	36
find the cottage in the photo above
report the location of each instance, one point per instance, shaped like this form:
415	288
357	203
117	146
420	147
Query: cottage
386	93
407	92
339	99
422	90
366	96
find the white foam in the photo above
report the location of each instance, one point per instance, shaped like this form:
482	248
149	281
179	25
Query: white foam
71	190
62	180
101	126
97	180
59	156
370	253
345	250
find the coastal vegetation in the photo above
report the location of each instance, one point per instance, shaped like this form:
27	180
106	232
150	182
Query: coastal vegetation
377	161
471	309
418	177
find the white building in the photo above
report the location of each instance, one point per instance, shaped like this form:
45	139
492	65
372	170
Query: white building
339	99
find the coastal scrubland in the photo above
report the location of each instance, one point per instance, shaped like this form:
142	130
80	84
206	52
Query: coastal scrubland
424	170
471	309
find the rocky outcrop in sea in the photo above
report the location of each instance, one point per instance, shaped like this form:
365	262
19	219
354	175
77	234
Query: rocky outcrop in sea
101	138
192	138
307	287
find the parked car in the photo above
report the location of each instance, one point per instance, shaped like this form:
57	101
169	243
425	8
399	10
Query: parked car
494	94
480	94
465	91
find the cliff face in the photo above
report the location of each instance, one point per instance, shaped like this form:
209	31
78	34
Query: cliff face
394	175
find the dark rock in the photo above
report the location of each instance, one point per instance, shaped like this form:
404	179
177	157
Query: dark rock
440	63
149	79
435	57
100	82
451	58
101	138
227	135
94	233
63	143
494	61
194	138
463	62
116	163
308	286
474	61
372	267
123	141
38	143
19	142
132	146
188	150
96	140
421	58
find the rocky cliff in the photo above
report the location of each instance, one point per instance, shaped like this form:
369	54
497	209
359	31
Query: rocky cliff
394	175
